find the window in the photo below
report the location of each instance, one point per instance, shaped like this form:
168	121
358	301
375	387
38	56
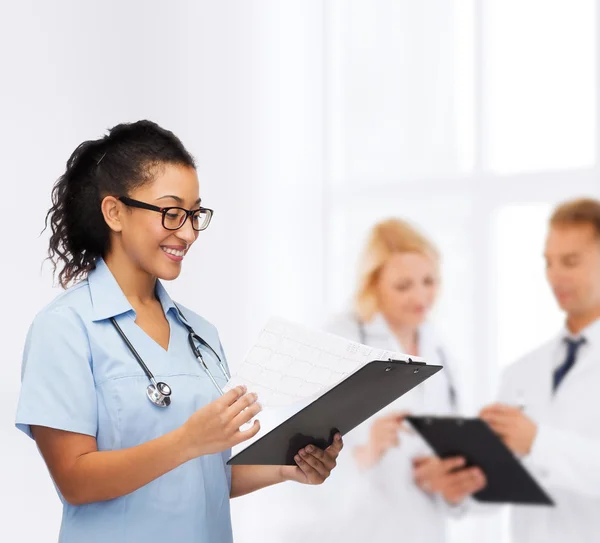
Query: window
539	84
526	312
473	120
400	89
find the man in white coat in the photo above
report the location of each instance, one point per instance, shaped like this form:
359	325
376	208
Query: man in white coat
549	408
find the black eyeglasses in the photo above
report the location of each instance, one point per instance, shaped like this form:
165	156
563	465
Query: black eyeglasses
173	218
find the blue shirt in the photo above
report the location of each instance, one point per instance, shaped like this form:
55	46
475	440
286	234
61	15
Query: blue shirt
78	375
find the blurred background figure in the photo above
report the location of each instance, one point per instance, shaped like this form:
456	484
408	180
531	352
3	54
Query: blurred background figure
549	410
398	285
399	280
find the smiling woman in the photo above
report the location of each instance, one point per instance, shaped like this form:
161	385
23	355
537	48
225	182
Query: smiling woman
85	199
124	215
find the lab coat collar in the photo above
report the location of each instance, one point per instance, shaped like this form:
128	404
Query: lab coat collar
378	327
591	333
108	299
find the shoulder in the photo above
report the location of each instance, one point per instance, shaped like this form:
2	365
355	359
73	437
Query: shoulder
70	308
59	332
342	324
201	326
430	334
434	344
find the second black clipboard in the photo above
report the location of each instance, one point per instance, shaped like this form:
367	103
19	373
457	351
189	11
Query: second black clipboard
342	408
507	479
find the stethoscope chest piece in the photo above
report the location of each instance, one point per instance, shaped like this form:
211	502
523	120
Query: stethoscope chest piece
159	394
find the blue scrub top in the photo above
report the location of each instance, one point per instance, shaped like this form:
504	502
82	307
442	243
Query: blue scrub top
78	375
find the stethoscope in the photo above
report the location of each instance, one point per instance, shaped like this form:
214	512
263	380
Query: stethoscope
362	334
159	393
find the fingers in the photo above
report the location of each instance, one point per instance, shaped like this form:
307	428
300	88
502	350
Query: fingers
393	421
479	483
498	419
453	463
493	416
388	425
470	486
396	420
465	483
419	460
246	415
397	416
386	434
232	395
243	402
495	419
315	463
498	410
443	466
313	466
406	429
447	476
335	448
428	467
326	458
423	478
492	407
391	441
424	467
499	425
242	436
311	473
424	471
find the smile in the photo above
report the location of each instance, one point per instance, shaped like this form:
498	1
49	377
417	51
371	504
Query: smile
174	252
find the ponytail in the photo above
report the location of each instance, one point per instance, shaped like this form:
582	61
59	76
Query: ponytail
119	162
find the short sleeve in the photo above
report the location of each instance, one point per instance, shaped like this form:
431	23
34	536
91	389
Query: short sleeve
57	383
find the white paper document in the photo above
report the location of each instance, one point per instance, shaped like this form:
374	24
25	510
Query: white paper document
291	363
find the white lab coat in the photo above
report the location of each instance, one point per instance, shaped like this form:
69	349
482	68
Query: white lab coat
377	505
565	457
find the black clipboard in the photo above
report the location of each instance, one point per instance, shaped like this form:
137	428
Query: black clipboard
340	409
507	480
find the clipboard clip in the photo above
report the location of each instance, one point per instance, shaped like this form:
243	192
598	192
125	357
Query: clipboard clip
409	361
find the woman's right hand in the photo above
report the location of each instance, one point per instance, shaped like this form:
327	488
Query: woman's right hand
216	427
383	436
448	477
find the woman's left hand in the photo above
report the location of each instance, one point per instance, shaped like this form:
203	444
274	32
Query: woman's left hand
313	465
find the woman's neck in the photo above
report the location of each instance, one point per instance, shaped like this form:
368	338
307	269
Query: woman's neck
407	336
137	285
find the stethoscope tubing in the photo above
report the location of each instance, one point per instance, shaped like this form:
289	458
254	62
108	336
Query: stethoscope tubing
164	390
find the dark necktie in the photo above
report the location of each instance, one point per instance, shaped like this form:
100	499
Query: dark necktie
572	348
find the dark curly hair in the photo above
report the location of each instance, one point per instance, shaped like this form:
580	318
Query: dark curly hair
124	159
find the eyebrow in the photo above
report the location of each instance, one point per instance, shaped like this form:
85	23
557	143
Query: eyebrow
566	255
178	199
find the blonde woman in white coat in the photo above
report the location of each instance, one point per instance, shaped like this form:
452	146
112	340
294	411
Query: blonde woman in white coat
373	495
398	286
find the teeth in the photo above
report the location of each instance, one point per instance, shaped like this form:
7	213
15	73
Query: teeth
174	252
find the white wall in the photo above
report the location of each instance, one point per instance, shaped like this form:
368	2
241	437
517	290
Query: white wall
309	120
240	83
